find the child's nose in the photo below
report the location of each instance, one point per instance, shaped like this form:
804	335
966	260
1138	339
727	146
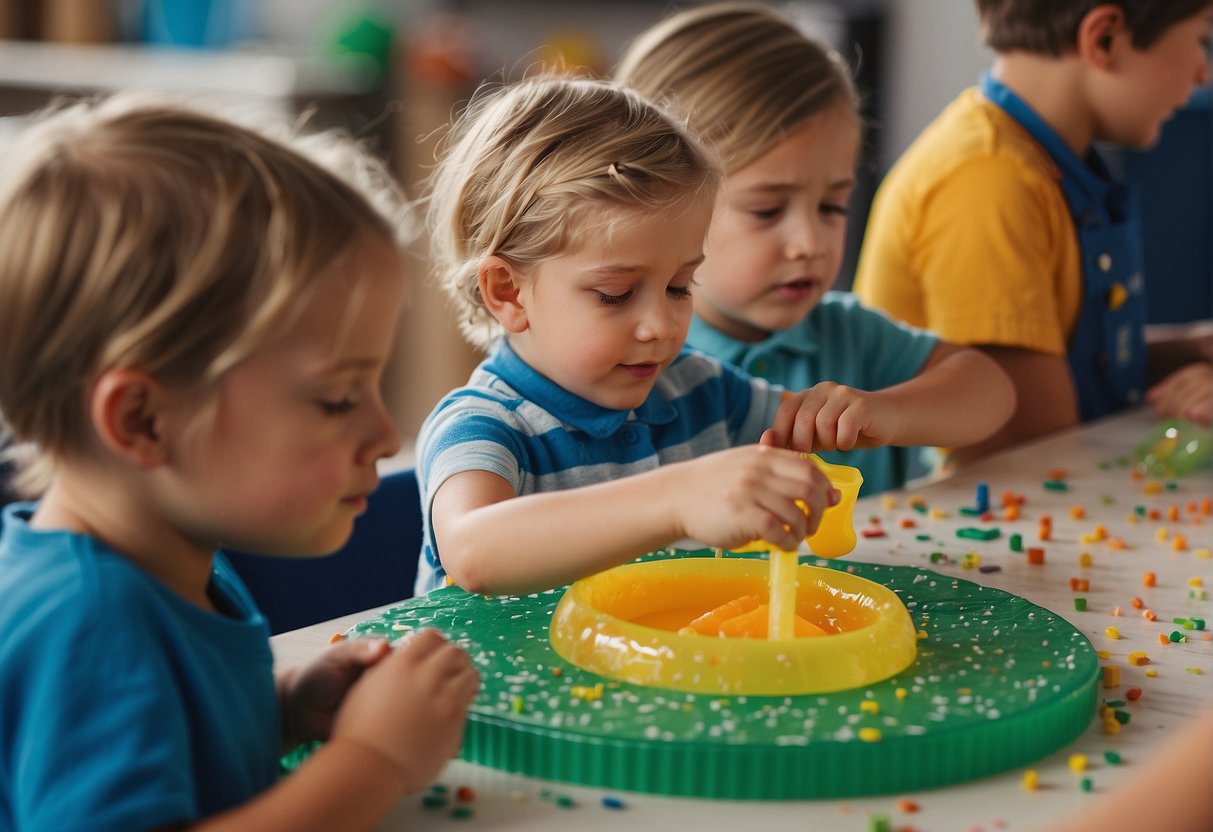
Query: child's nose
658	323
801	241
383	439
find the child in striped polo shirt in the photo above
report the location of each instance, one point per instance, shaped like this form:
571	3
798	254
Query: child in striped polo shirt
568	218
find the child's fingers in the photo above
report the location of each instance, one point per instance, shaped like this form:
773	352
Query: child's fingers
359	653
804	427
785	419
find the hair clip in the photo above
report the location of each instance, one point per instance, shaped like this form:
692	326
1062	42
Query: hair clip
615	171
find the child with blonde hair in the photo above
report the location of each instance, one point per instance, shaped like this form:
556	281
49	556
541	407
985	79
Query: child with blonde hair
196	317
568	219
781	113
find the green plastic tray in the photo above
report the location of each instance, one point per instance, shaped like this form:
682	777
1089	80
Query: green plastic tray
998	683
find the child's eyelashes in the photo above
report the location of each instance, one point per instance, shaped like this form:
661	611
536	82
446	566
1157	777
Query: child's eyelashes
337	407
613	300
679	292
838	209
766	213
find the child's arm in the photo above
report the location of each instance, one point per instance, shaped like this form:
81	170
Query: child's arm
1186	394
959	397
1182	768
493	541
399	723
1045	399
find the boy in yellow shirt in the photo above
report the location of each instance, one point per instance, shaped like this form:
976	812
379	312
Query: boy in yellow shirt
1002	228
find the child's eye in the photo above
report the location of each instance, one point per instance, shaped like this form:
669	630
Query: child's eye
766	213
678	291
835	208
613	300
338	407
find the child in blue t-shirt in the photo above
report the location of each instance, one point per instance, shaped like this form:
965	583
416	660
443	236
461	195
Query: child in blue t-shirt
783	116
196	317
568	219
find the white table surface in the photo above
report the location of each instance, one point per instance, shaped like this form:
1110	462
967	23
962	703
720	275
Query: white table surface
1169	702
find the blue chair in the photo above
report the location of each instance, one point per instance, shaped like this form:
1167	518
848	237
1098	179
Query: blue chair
376	567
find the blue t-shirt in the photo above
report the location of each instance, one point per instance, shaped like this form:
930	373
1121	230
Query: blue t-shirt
516	423
841	341
122	705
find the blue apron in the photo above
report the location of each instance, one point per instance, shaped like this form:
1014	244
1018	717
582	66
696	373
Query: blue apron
1107	350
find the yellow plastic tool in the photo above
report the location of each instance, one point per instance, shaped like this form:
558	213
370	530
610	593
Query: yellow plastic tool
835	536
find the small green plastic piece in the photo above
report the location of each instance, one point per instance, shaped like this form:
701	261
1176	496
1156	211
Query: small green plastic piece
1016	543
1111	758
1056	485
978	534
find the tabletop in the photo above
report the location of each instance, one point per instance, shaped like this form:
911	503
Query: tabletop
1109	528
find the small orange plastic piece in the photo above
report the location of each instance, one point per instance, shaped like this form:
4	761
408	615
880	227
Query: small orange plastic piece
755	623
709	623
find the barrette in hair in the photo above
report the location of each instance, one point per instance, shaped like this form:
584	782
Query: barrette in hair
615	171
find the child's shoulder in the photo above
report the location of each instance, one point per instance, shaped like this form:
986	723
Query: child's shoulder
973	135
64	588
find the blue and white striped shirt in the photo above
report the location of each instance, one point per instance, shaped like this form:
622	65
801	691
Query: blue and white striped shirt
520	425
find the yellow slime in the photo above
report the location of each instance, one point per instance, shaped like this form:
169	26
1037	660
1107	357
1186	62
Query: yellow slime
634	623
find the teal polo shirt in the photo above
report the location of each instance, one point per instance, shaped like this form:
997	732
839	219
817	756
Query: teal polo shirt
841	341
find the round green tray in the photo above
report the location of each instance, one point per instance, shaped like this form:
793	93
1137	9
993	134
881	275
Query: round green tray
999	682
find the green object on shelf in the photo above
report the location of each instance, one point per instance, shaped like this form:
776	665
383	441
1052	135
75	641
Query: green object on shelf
998	683
1175	448
978	534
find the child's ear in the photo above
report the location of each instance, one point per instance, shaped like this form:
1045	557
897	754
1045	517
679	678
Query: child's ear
126	413
500	289
1100	32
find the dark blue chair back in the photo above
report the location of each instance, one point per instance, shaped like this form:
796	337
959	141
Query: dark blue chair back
376	567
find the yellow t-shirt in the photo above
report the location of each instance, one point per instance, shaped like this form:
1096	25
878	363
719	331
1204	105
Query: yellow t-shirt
970	235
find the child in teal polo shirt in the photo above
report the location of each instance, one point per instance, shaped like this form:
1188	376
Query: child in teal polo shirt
782	114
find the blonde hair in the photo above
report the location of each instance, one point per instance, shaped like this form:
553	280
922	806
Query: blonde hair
741	74
139	233
525	167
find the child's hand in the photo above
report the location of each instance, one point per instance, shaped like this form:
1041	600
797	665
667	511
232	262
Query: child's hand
750	492
830	416
1186	394
310	695
411	705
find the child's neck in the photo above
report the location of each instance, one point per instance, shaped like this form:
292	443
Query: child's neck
124	524
1053	88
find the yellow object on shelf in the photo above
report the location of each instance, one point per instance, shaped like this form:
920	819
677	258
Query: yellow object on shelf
835	536
632	623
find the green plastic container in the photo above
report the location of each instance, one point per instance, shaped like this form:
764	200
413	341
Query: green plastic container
1175	448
